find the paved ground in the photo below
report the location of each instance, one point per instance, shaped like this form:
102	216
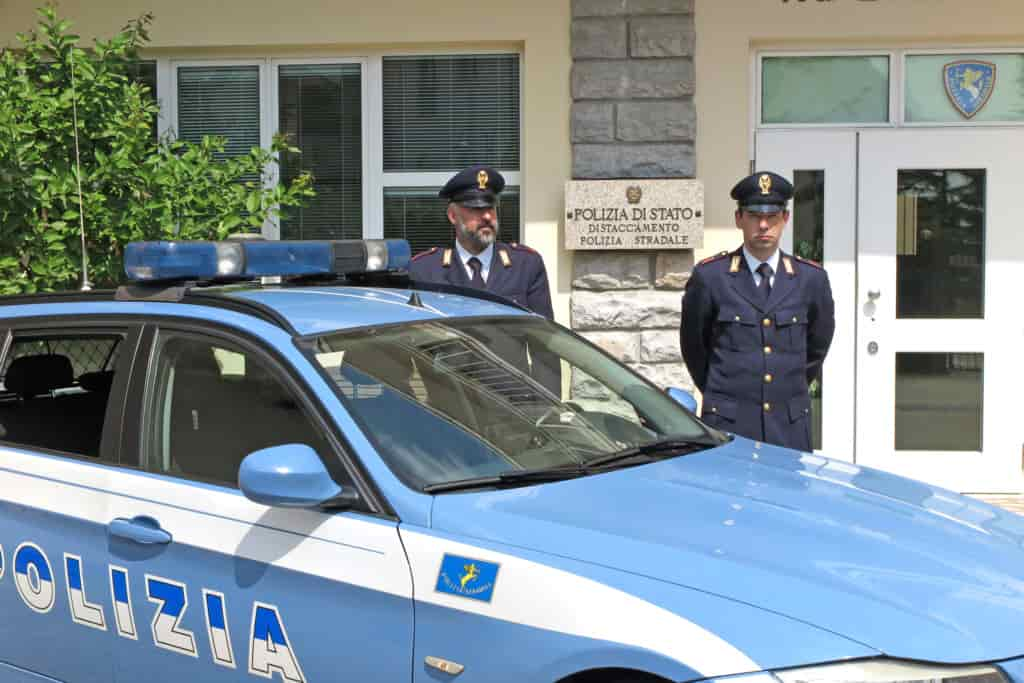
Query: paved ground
1012	503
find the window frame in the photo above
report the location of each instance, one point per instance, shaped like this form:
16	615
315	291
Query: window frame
757	94
344	464
375	180
113	419
897	90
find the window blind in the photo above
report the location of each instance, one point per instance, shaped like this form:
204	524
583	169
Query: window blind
220	100
320	110
442	113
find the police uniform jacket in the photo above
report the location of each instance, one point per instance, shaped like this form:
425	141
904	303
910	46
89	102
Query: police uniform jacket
752	358
517	273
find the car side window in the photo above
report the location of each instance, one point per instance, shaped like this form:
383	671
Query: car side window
54	390
211	403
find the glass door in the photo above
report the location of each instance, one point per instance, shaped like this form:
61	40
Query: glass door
938	310
822	164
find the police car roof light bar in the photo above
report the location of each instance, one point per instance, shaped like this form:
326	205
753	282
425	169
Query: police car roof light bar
235	260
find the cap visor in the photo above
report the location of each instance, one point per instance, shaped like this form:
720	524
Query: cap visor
476	202
764	208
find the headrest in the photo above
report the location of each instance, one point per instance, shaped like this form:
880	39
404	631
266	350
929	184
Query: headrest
30	376
99	381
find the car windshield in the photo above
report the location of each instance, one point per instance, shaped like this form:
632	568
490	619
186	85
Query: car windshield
449	400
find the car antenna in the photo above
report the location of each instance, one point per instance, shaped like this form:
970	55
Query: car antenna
86	285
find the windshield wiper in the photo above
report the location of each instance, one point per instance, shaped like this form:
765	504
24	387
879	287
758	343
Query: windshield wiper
655	450
511	478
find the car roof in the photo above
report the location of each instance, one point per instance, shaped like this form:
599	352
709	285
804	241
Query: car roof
312	310
301	310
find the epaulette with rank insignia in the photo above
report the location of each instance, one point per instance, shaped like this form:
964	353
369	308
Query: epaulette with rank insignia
522	247
428	252
809	262
713	257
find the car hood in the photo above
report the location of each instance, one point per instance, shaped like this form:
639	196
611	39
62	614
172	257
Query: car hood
905	568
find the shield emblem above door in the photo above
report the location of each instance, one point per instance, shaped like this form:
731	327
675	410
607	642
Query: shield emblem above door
969	84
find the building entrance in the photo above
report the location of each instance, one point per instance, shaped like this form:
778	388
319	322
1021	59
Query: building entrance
917	231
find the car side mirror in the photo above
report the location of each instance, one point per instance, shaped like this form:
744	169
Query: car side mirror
683	398
291	475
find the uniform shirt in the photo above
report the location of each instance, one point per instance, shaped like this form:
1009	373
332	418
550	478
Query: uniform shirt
485	257
753	263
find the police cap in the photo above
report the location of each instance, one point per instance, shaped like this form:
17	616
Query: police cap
762	192
476	187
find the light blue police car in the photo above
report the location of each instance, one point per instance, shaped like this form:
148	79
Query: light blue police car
345	476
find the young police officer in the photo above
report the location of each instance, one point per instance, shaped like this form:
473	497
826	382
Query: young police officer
477	259
757	324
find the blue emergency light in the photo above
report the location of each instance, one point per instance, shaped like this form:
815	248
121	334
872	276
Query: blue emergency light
240	260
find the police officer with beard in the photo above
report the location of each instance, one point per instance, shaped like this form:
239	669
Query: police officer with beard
757	323
477	259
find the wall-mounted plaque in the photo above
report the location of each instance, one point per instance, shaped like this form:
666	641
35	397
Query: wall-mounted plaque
634	214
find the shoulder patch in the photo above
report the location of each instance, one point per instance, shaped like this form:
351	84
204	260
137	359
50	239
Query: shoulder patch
809	262
428	252
522	247
714	257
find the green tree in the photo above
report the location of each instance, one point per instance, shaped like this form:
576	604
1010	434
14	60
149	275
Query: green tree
79	164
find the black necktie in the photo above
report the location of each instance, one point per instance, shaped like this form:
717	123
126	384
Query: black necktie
477	279
765	271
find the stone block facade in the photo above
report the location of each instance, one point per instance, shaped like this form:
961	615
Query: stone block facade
628	303
633	116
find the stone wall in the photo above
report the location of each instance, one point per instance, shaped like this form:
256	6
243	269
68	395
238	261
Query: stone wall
628	303
633	116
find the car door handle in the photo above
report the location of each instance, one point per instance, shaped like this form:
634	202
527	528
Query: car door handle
141	529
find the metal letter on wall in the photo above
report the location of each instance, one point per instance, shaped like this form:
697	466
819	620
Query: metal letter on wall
634	214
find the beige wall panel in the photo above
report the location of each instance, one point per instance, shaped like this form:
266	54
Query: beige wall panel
231	28
730	31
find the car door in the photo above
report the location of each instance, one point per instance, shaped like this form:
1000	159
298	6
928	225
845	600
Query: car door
218	587
61	402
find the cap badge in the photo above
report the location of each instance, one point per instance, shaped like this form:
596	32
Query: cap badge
481	179
765	181
633	194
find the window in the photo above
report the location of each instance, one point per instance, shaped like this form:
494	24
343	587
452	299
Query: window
320	110
374	175
55	390
826	89
210	404
220	100
441	114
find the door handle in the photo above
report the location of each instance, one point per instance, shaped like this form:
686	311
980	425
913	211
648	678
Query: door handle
141	529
